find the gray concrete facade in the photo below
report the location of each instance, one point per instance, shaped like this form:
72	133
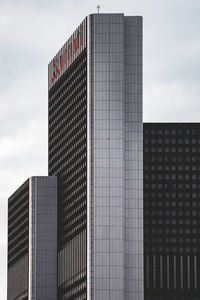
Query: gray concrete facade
115	158
43	238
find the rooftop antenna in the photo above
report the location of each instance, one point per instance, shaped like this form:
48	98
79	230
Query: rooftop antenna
98	8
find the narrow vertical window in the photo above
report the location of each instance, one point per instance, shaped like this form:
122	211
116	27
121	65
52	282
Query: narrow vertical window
168	272
195	272
147	274
181	269
174	272
154	271
161	273
188	271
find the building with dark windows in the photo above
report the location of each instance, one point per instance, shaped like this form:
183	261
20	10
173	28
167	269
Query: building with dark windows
77	234
32	240
172	211
96	160
96	151
18	243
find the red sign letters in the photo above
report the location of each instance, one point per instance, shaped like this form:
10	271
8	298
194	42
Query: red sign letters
70	50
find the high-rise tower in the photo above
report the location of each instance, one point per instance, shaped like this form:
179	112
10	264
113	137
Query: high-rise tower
96	151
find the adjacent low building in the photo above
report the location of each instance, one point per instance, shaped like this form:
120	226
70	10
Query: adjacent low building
32	240
172	211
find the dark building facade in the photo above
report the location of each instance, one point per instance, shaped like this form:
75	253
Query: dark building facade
18	243
68	161
172	211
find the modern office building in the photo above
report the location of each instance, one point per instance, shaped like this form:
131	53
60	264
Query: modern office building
96	151
32	240
172	211
78	234
95	188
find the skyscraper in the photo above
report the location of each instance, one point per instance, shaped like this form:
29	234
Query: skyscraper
78	233
96	151
94	193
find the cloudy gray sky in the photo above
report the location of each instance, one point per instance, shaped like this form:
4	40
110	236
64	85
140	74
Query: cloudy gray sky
32	31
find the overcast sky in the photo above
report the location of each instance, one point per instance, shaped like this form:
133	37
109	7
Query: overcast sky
32	31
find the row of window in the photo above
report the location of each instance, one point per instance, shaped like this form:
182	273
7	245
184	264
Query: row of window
178	141
68	161
185	186
172	131
18	227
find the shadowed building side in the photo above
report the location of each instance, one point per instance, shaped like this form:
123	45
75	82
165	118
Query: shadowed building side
172	211
18	243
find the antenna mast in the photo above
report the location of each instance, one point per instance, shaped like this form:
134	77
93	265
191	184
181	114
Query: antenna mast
98	8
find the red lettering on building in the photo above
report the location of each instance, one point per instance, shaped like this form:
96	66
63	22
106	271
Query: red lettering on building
75	45
78	39
65	57
82	35
55	69
69	52
61	62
